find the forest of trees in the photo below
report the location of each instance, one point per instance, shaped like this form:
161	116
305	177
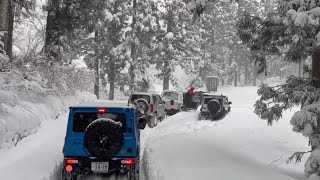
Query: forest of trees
120	40
240	41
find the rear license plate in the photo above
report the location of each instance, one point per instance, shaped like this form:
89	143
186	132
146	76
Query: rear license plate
101	167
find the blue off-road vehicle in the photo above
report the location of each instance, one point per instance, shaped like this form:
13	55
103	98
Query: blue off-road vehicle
103	139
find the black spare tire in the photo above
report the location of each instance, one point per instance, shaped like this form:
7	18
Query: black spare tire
103	138
214	106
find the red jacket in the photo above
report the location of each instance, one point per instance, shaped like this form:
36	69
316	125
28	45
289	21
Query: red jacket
191	91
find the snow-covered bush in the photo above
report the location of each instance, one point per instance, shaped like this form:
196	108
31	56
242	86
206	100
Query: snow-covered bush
296	91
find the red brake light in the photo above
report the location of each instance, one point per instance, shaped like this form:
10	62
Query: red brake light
102	110
151	108
127	162
71	161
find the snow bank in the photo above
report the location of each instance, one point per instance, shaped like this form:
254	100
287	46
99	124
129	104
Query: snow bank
20	116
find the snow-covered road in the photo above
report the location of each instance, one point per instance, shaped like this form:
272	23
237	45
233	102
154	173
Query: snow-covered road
181	148
241	146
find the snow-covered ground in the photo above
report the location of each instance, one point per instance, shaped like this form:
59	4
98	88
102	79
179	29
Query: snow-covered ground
239	146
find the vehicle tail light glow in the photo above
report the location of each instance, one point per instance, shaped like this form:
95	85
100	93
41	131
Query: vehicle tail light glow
151	108
128	162
69	168
71	161
102	110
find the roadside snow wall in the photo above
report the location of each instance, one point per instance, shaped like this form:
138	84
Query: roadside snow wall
26	102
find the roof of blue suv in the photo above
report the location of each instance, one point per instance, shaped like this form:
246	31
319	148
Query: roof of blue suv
105	104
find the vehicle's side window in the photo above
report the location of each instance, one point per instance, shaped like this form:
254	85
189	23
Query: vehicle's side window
154	99
160	100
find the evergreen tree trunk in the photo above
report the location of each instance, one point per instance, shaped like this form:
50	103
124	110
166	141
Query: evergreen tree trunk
55	30
166	75
10	30
133	48
96	69
255	74
236	77
111	76
52	5
4	4
166	66
223	78
246	74
300	68
316	67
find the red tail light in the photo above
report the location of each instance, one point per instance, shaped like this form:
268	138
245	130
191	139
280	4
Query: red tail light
129	162
151	108
102	110
71	161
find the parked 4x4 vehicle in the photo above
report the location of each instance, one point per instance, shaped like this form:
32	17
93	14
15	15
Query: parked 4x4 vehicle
214	106
173	101
102	139
156	106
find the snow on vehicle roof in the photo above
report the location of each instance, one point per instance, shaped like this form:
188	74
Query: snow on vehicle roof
108	104
145	93
215	95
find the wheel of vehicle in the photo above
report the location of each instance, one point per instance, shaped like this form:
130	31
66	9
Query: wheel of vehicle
214	106
153	121
134	173
162	117
103	138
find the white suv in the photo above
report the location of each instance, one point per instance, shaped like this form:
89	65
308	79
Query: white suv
156	106
173	101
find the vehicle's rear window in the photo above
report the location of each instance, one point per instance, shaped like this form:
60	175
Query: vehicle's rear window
207	100
82	120
170	95
140	96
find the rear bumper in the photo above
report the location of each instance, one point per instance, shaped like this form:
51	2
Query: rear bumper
171	111
84	166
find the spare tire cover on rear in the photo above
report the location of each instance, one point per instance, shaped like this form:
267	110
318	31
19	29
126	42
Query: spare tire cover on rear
103	138
142	104
214	106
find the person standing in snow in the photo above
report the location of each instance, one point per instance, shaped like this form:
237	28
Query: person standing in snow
189	97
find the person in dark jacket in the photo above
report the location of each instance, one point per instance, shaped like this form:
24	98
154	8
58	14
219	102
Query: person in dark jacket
189	97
